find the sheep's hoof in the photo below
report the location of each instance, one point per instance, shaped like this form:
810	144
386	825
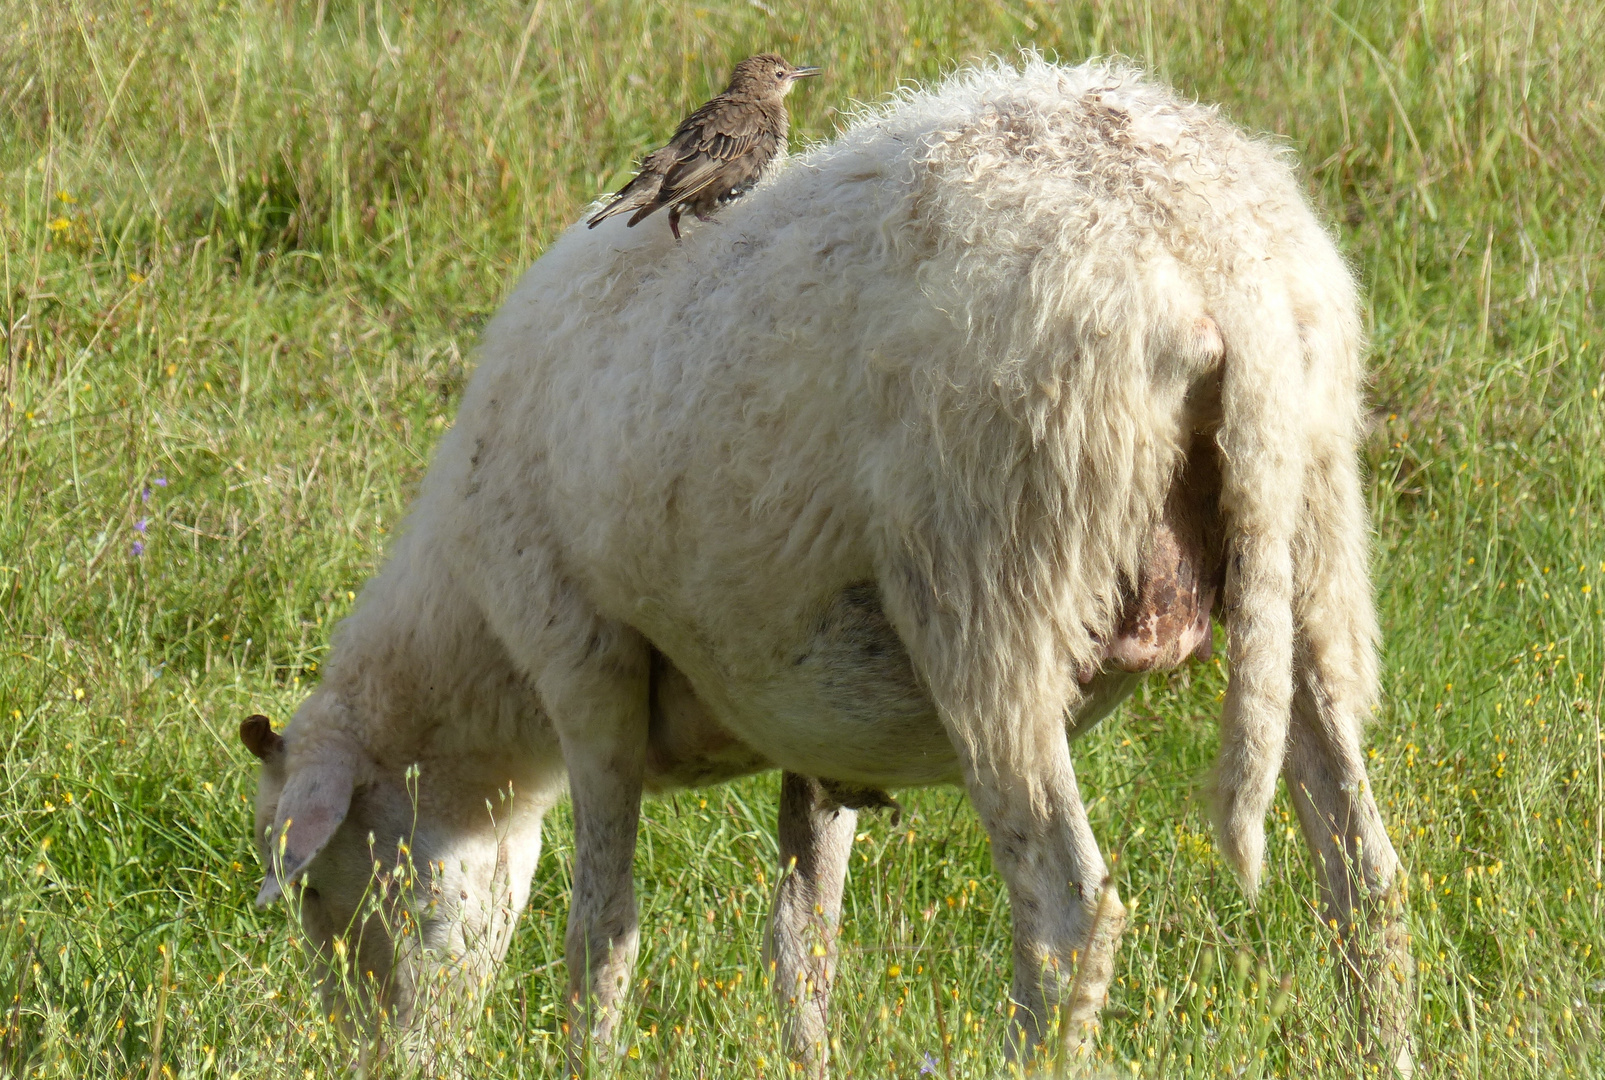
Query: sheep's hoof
857	797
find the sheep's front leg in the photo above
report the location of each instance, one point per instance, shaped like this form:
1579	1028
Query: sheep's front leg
1360	878
598	700
816	838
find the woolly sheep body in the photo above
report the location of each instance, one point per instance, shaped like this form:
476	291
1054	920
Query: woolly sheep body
795	411
955	357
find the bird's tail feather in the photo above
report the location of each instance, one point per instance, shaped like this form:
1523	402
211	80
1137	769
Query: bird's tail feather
633	196
644	212
617	206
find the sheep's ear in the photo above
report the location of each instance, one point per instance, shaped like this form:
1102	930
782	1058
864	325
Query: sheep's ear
257	733
312	806
270	891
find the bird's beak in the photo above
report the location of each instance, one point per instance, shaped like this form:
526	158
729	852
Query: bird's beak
804	73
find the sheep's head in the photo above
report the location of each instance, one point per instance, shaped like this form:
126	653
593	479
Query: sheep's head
406	896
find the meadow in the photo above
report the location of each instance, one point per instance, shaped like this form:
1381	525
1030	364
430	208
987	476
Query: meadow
247	249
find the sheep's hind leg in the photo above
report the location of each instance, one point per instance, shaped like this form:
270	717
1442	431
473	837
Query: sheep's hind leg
1361	882
1067	913
816	838
1003	708
1334	684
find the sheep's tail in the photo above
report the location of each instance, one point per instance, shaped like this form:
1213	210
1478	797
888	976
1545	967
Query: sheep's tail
1263	461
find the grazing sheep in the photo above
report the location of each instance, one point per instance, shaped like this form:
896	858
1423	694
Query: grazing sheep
932	441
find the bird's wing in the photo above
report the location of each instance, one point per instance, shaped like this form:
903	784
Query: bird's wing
717	134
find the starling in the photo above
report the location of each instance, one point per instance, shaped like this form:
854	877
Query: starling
717	152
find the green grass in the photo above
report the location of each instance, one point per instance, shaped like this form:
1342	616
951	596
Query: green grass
247	251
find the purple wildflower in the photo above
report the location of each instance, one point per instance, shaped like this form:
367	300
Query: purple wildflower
139	547
144	496
139	526
928	1066
161	481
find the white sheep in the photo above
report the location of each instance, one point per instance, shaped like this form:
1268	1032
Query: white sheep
924	446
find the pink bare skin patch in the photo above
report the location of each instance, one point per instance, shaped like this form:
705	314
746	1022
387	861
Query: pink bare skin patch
1165	621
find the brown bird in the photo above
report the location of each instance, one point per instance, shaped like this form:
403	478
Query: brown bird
717	152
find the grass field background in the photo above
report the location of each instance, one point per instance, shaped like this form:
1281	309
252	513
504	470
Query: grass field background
247	250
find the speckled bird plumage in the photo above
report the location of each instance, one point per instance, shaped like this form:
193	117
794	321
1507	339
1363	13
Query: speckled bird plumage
717	152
